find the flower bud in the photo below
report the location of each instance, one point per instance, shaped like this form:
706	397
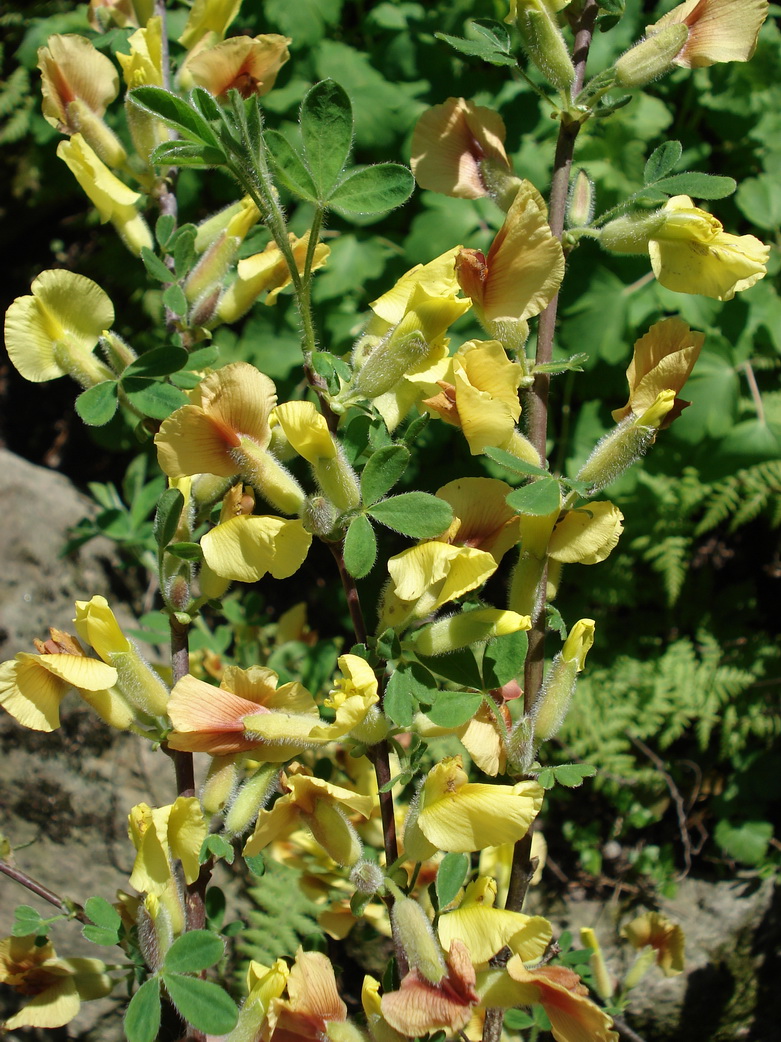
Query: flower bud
520	746
388	363
625	444
367	877
416	936
652	57
250	799
469	627
554	699
119	354
542	40
330	827
212	267
604	985
219	786
580	206
318	515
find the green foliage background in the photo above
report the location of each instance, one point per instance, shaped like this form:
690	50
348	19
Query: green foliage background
694	677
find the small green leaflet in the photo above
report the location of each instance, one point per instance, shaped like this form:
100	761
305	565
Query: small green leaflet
662	161
360	547
142	1019
107	920
203	1004
450	877
194	951
383	470
97	405
537	498
570	775
416	514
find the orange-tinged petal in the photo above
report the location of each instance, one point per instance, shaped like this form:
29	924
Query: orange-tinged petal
71	67
662	359
248	65
573	1016
449	143
420	1006
719	30
482	518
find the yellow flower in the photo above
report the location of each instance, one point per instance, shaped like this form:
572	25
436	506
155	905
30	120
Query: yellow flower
691	253
266	272
245	548
454	814
208	17
666	938
358	686
113	200
53	332
136	680
485	930
481	516
405	340
429	575
161	834
587	534
33	686
243	63
458	150
719	30
663	359
480	395
144	65
522	271
322	808
313	1008
57	986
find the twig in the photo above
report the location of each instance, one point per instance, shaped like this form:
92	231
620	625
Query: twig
677	798
625	1031
68	908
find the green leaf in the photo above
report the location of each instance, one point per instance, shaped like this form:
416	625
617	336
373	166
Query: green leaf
142	1019
290	168
759	199
206	104
360	547
494	32
155	266
203	1004
546	778
184	251
408	684
158	362
416	428
174	298
416	514
165	226
26	921
256	864
176	113
97	405
450	877
537	498
174	153
101	935
382	472
218	847
169	510
478	49
572	775
327	133
517	466
662	160
186	551
154	399
747	842
102	913
504	659
460	667
453	708
202	357
194	951
373	189
701	186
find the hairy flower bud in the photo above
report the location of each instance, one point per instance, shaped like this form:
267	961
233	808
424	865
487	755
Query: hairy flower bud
542	40
652	57
250	799
413	929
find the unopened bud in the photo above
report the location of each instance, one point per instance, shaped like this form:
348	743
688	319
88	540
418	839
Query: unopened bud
469	627
603	983
118	354
554	699
205	307
520	746
542	40
334	833
367	877
318	515
412	928
212	267
250	799
388	363
219	785
580	206
338	481
625	444
178	592
652	57
103	141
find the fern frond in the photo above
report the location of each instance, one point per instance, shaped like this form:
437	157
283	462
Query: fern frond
282	917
